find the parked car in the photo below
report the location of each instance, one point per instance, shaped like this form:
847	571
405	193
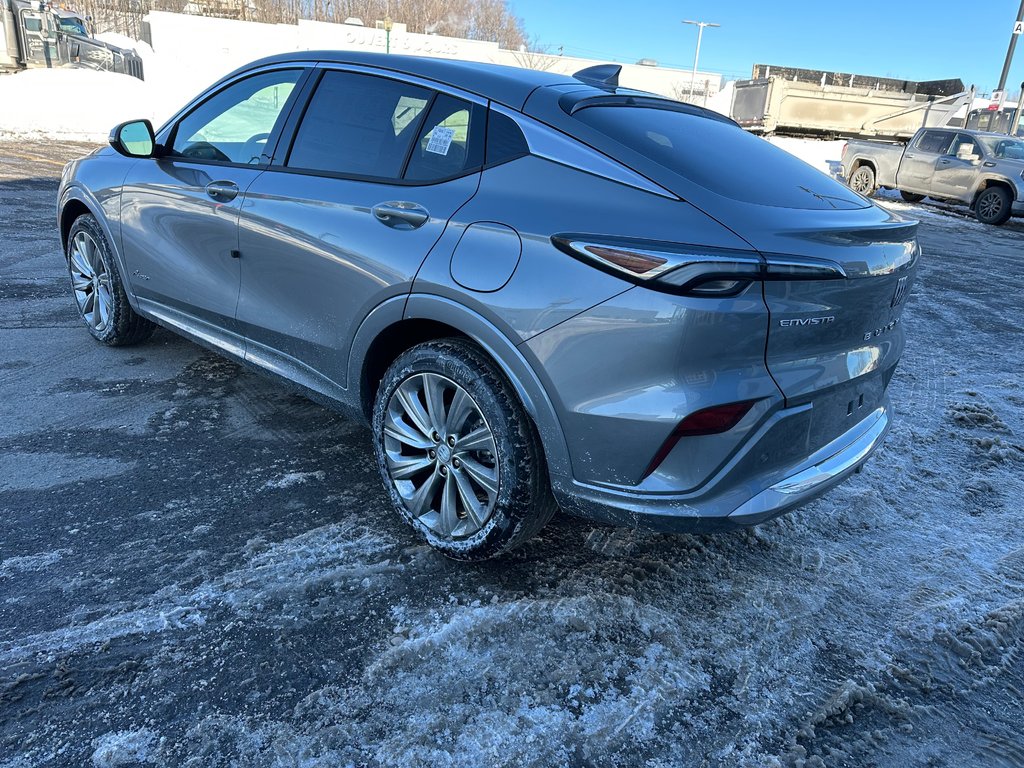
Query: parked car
538	290
984	170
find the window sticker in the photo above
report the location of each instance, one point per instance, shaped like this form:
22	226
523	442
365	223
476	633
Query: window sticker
440	140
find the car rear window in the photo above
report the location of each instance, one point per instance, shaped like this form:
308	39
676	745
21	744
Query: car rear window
720	157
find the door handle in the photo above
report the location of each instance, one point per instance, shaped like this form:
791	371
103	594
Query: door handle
222	191
400	215
945	162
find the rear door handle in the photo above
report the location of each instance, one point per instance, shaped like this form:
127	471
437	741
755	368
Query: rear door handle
222	191
400	215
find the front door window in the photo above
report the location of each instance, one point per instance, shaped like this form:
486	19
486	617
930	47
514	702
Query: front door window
234	125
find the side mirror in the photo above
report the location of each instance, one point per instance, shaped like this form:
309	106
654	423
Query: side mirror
134	138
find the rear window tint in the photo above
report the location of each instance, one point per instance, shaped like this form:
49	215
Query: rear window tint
720	157
450	141
505	140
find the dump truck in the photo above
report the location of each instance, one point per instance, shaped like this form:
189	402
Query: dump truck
801	102
37	35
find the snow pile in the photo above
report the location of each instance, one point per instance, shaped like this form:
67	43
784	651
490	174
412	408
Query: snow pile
70	104
721	102
826	156
75	104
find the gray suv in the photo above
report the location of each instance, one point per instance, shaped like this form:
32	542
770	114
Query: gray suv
541	291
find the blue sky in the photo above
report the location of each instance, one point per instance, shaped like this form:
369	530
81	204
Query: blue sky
922	40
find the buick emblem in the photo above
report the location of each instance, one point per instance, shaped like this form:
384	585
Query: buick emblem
900	293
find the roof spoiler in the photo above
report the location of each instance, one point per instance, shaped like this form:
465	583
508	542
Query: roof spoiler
603	75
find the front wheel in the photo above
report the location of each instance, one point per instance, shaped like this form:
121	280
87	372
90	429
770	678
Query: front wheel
99	292
862	181
459	456
993	206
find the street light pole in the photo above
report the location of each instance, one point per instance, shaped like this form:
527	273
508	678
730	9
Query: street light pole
1009	51
696	56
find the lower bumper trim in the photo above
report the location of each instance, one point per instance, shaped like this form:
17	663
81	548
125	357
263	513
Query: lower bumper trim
730	510
803	486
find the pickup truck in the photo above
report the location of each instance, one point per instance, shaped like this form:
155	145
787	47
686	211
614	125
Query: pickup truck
984	170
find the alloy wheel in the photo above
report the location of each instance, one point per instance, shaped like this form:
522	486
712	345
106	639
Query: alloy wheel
90	279
440	455
990	206
860	182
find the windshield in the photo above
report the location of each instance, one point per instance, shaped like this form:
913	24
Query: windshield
720	157
73	26
1003	147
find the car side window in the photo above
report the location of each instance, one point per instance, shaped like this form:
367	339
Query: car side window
358	125
233	125
961	139
505	139
450	142
935	141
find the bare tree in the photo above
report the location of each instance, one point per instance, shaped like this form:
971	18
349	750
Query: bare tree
472	19
535	55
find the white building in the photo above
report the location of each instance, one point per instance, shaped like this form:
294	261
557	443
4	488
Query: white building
214	46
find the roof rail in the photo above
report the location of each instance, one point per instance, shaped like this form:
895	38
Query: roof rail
602	75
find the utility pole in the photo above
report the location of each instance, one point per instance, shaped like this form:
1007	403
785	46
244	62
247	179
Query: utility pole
700	33
1009	51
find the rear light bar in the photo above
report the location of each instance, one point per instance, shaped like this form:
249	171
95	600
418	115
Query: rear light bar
691	270
707	421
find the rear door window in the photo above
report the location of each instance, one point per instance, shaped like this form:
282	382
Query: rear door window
450	142
937	142
359	125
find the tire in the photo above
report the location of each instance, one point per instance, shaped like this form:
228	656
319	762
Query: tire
911	197
862	181
431	399
97	287
993	206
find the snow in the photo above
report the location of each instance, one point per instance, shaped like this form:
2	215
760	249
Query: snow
826	156
70	104
124	748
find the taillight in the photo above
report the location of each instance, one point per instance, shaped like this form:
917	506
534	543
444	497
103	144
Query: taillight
690	270
707	421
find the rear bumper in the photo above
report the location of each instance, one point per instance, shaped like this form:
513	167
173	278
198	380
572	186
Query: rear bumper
738	505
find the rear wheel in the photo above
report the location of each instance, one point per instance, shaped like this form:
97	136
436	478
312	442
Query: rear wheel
911	197
99	292
862	181
459	456
993	206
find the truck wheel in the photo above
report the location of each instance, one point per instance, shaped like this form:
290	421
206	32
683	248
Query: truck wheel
862	181
99	293
911	197
460	458
993	206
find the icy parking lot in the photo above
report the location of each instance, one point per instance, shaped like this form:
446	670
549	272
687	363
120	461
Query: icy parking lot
198	568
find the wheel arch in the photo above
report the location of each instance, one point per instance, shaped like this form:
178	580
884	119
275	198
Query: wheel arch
76	201
993	181
69	212
861	161
400	323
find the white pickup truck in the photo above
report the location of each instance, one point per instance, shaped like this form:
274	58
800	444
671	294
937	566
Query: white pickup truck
983	170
